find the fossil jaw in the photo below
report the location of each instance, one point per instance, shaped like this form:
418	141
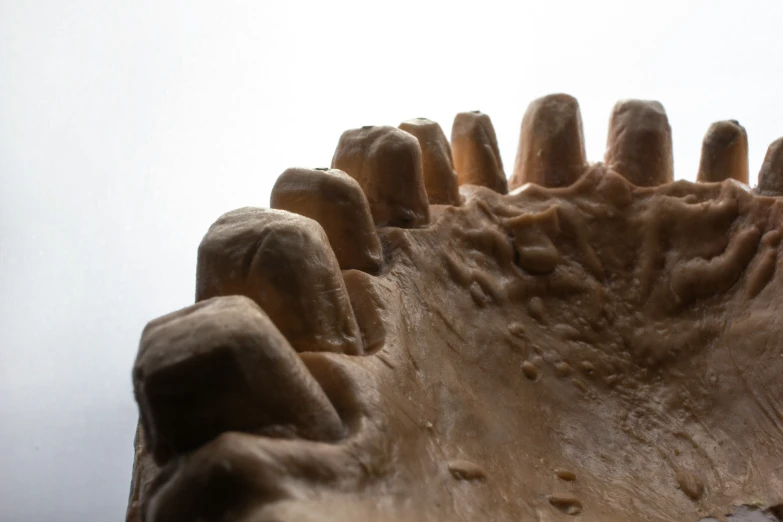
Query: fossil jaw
601	349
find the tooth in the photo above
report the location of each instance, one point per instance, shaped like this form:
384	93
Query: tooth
386	162
337	202
639	146
284	263
221	365
724	153
551	144
476	153
440	178
771	173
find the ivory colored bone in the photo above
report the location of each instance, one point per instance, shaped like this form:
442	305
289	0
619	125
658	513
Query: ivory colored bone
283	262
551	144
386	162
221	365
724	153
440	178
476	154
639	146
771	173
336	201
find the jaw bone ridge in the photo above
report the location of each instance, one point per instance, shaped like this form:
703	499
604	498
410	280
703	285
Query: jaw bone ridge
603	348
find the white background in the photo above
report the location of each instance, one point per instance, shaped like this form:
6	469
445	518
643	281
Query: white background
126	128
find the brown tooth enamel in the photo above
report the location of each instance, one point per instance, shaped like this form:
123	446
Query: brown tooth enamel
771	174
337	202
724	153
476	154
639	145
221	365
440	178
283	262
551	143
387	163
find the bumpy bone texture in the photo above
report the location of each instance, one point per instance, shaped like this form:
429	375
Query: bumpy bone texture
602	344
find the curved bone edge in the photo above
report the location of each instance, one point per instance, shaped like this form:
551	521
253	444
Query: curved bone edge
639	145
283	262
476	153
440	178
387	163
221	365
724	153
336	201
771	174
551	143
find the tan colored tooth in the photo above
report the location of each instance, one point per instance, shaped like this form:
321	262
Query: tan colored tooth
386	162
283	262
551	144
440	178
771	173
724	153
639	146
476	153
221	365
336	201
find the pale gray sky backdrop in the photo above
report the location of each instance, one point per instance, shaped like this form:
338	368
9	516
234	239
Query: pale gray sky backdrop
126	128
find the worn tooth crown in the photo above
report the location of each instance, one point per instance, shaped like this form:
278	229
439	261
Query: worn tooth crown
771	173
639	146
724	153
221	365
387	163
283	262
337	202
440	178
476	154
551	144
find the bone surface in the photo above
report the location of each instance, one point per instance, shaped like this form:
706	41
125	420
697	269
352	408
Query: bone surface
283	262
639	146
724	153
387	163
771	173
440	178
337	202
608	351
551	145
476	154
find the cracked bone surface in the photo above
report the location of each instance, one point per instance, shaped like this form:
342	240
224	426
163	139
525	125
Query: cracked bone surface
607	351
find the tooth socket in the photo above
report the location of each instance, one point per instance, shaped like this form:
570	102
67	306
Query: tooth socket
476	154
771	173
283	262
551	143
387	163
724	153
440	178
336	201
221	365
639	146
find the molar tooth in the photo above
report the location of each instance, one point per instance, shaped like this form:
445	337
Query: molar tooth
551	144
221	365
639	145
283	262
440	178
336	201
387	163
476	154
724	153
771	174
